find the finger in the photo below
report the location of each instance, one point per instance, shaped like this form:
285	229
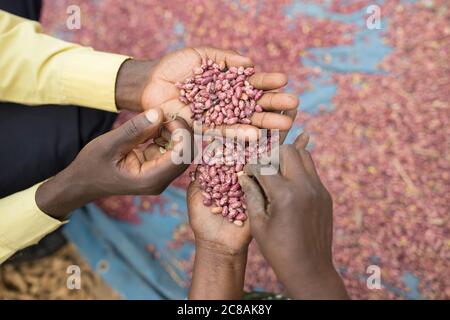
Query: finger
243	132
164	139
234	60
165	134
177	108
230	57
271	120
277	101
176	124
152	152
291	165
181	141
268	120
136	131
161	167
182	114
192	190
309	165
301	141
269	183
291	114
268	81
169	164
254	199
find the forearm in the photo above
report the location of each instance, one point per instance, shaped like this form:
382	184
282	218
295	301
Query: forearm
217	275
328	287
317	284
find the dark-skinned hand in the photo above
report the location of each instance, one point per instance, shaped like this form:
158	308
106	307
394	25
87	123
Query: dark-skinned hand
291	219
147	84
220	247
120	162
220	251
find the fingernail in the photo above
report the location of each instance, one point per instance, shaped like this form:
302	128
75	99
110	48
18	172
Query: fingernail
152	115
239	223
242	180
216	210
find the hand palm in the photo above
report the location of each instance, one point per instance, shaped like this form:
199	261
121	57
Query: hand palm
178	65
214	228
143	160
135	163
174	67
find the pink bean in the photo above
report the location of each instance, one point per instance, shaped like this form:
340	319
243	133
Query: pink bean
225	211
235	194
206	195
232	213
241	217
235	205
235	187
258	95
235	101
233	120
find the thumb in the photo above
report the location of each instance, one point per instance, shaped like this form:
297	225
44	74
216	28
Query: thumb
301	141
137	130
255	203
192	189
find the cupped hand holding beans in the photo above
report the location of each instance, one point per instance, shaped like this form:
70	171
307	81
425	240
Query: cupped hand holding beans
291	218
220	251
160	88
211	229
124	161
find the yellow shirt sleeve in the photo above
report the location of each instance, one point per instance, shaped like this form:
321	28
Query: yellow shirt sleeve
38	69
22	223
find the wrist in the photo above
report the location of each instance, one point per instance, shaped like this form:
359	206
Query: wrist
220	250
61	194
217	274
132	78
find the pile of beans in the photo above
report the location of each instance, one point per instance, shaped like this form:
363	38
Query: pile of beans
217	97
220	96
221	188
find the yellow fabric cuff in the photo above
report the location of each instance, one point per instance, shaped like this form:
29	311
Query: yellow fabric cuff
5	254
38	69
88	78
22	222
